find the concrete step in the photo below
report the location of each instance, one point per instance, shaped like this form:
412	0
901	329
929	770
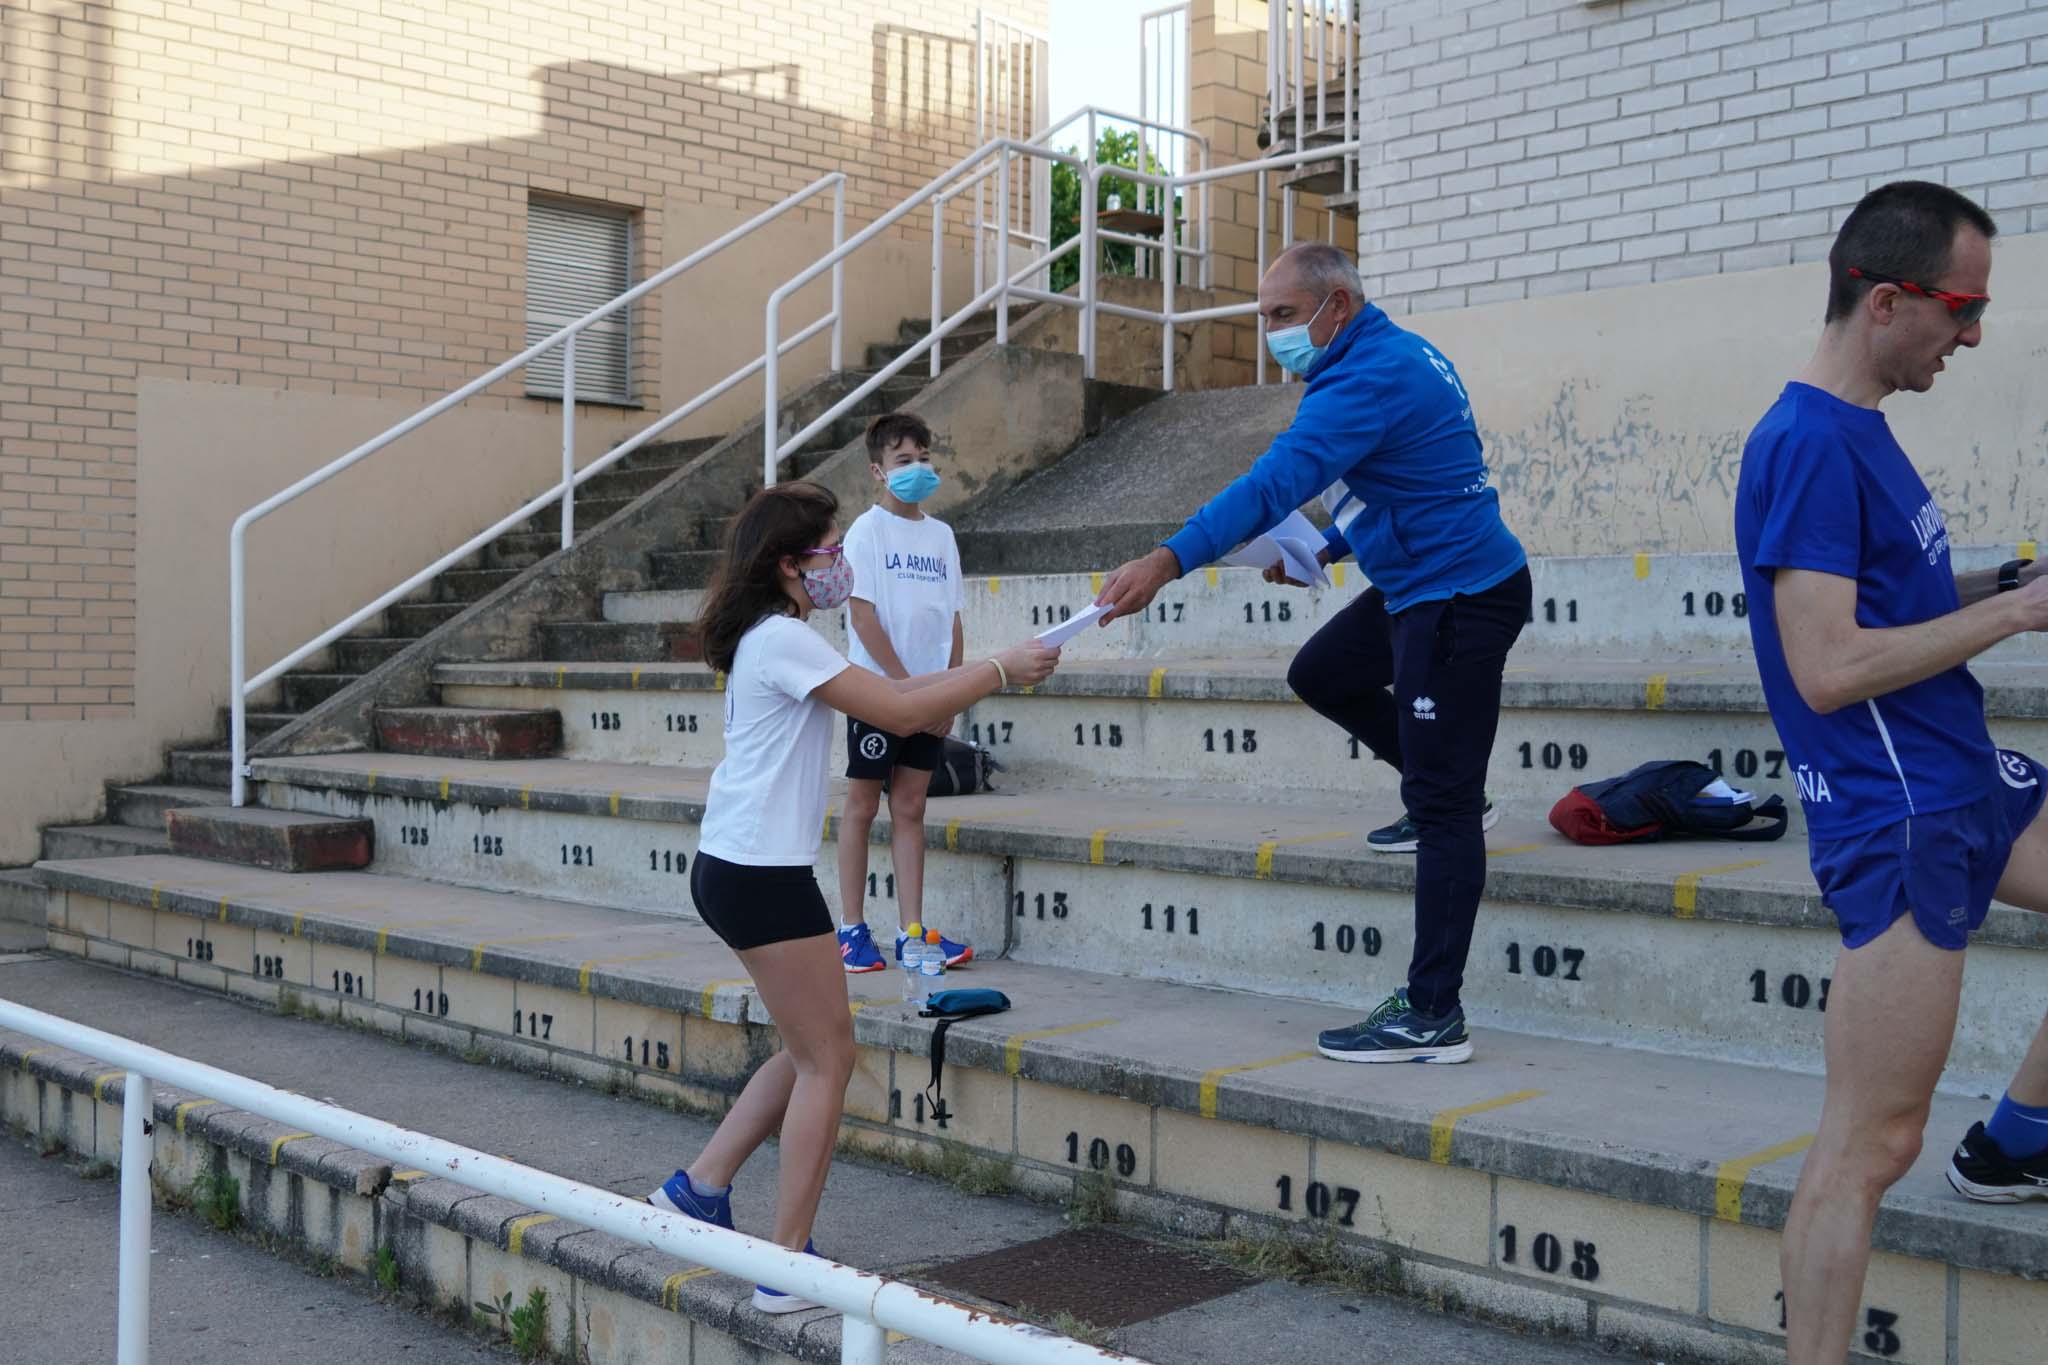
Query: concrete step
144	804
611	1306
102	841
1686	947
359	656
669	454
520	549
981	325
282	841
1590	1188
621	481
472	585
649	642
260	723
201	767
1317	177
410	620
304	691
22	897
590	514
682	569
472	732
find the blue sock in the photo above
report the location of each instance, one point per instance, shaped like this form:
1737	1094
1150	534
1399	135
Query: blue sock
2019	1130
708	1191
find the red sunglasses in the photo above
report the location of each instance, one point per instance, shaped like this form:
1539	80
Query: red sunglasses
1964	308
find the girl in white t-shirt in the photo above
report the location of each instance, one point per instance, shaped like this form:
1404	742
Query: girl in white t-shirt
763	821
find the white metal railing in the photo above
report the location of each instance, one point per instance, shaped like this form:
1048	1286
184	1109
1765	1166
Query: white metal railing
1318	38
872	1306
1012	98
241	686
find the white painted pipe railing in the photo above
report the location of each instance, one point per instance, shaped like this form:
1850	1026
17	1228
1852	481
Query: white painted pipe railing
872	1305
241	686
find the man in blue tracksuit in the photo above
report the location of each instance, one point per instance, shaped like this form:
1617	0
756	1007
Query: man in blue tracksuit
1385	436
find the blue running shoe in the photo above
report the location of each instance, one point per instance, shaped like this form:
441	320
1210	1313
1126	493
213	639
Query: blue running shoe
680	1196
775	1301
857	950
1396	1032
956	953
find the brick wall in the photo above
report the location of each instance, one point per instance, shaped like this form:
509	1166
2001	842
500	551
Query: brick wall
329	196
1526	147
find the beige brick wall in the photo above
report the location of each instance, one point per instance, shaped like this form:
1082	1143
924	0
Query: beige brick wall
1227	69
328	197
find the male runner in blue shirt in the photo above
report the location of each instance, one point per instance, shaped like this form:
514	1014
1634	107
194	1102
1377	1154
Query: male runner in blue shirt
1385	434
1915	821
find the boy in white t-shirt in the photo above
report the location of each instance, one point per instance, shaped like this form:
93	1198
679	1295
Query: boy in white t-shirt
903	621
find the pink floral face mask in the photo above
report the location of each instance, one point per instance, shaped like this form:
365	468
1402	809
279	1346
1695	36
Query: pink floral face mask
829	587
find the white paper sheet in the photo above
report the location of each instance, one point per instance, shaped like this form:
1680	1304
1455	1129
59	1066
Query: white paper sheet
1294	543
1072	626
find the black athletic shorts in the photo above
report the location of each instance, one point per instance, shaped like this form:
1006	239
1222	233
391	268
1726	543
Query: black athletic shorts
873	753
751	907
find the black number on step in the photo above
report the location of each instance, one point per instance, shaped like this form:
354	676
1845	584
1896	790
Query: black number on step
1545	960
1553	755
1157	612
1548	1254
1057	905
667	860
1881	1339
885	886
1507	1244
654	1054
1795	990
1551	607
941	1116
681	724
533	1024
1168	915
1748	762
1319	1200
991	732
605	720
348	983
1098	736
1713	604
488	845
430	1002
578	855
1346	939
1255	612
1233	741
415	835
199	950
1063	614
269	966
1585	1265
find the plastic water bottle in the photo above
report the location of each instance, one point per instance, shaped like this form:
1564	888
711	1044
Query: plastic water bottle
913	962
932	970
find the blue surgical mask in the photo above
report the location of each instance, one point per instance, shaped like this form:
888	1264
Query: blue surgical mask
1291	346
914	482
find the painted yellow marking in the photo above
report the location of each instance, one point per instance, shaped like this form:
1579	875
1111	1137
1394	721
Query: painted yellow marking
583	972
1156	684
407	1177
1445	1121
526	797
560	674
1097	840
1215	1074
710	994
178	1114
34	1051
1685	891
855	1006
1653	691
1642	566
994	586
1095	584
1730	1178
277	1145
672	1287
384	934
1211	574
718	679
633	681
298	923
476	954
615	803
515	1232
1262	866
373	781
99	1084
1030	691
1013	1046
1511	852
2026	550
895	1336
953	835
156	896
446	782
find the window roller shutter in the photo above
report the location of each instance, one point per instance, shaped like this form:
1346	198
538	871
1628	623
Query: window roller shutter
578	258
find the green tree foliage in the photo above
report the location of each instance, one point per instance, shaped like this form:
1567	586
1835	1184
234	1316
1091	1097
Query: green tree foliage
1113	147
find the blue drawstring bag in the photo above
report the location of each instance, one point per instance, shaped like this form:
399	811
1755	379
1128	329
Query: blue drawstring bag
949	1008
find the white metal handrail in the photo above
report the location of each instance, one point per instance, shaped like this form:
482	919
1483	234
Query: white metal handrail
241	686
871	1304
1324	35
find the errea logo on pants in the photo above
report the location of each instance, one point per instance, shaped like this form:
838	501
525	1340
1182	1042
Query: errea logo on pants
1425	708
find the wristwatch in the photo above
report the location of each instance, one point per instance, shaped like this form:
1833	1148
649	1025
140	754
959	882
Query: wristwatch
2009	573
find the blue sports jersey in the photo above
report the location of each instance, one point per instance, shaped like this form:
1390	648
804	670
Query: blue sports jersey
1385	434
1825	487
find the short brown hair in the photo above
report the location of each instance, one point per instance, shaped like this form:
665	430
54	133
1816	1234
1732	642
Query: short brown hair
891	427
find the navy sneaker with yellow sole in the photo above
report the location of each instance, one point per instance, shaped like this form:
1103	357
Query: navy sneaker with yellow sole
1396	1032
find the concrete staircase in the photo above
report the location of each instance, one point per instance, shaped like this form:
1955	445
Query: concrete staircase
1173	885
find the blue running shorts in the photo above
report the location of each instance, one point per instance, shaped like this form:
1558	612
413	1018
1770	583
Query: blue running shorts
1941	868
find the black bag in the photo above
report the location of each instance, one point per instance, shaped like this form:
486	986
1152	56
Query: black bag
1658	799
949	1007
963	769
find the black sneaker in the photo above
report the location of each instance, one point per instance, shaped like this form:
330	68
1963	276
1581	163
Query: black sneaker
1399	837
1982	1171
1396	1033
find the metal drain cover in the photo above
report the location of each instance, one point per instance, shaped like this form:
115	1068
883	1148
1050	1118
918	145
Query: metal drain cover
1100	1276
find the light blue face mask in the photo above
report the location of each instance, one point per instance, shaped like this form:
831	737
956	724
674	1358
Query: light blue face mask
1291	346
914	482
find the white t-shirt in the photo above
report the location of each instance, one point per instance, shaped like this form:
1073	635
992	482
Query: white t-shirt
766	806
910	571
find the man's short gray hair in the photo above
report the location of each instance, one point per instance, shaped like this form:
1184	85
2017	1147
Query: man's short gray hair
1323	269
